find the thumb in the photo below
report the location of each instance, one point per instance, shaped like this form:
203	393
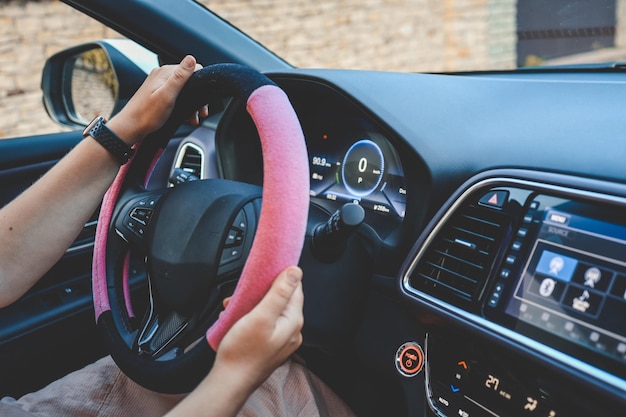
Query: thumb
280	293
184	70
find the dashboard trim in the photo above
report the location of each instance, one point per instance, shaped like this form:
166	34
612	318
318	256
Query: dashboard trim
427	379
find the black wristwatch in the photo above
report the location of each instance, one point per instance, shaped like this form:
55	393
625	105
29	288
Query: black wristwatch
98	130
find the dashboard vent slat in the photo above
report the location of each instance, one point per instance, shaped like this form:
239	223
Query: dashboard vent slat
457	262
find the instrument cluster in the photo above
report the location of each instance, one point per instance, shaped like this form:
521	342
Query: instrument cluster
358	166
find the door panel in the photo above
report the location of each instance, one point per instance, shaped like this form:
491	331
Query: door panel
50	330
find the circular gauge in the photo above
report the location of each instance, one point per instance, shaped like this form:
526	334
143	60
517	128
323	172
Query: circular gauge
362	168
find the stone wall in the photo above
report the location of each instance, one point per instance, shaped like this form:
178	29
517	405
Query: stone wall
406	35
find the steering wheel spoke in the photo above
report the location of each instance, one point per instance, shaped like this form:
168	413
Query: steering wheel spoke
159	333
166	333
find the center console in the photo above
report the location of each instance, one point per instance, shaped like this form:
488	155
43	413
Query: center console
541	267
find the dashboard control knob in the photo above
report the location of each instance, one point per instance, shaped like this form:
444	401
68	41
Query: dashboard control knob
329	238
179	176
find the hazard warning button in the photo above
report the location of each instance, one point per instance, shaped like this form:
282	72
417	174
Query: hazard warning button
494	199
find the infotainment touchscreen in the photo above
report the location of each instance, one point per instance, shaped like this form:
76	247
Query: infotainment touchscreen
572	288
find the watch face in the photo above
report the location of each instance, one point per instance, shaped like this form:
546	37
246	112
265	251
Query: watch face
93	123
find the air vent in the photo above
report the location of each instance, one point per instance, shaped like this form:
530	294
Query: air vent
191	159
458	261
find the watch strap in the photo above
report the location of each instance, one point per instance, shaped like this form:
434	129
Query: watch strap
98	130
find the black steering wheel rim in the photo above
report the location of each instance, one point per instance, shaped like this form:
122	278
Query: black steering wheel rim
180	371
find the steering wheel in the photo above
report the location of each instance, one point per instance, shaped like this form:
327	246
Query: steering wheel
197	240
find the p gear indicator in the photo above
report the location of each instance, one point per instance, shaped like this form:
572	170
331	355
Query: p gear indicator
409	359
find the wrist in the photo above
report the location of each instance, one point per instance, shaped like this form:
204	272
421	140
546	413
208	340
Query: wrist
239	380
109	140
125	130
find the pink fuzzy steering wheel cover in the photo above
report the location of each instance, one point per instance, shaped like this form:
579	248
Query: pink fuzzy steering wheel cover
280	235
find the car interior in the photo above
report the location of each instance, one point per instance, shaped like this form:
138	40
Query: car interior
465	244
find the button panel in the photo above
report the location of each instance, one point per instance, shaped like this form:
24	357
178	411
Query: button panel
139	215
511	264
233	245
468	379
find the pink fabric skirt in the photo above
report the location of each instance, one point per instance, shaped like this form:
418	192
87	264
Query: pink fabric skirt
102	390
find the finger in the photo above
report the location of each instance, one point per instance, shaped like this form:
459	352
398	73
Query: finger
280	293
198	116
193	119
204	112
226	302
292	314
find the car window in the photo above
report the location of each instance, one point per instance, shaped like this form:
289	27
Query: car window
30	32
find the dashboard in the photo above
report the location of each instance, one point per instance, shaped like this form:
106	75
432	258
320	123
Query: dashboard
494	223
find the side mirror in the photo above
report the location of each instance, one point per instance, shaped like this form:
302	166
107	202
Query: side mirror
93	79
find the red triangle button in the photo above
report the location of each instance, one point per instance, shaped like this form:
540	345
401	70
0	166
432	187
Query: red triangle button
494	199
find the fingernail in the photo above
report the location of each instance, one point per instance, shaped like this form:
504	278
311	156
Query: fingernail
188	62
293	275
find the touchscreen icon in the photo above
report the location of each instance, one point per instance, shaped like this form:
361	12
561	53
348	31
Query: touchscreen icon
580	303
556	265
592	277
547	287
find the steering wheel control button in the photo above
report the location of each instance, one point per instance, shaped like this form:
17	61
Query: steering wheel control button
141	215
240	222
230	254
234	238
409	359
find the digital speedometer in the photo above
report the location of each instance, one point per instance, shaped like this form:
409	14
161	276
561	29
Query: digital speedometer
362	168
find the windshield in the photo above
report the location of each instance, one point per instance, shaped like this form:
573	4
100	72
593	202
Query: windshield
433	35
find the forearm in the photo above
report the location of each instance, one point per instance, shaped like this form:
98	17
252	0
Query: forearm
38	226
